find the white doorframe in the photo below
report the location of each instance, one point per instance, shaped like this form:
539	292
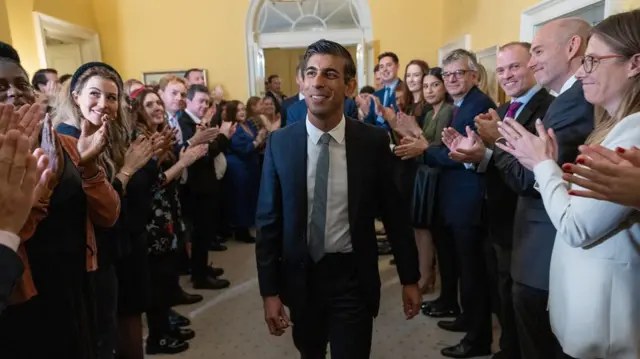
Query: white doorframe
550	9
302	39
47	24
463	42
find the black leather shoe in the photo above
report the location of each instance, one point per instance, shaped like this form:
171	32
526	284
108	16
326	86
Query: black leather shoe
455	326
435	311
183	334
464	350
165	345
187	299
217	247
210	283
178	320
214	271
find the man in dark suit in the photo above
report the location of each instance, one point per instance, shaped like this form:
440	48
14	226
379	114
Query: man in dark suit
201	192
460	238
388	63
556	51
528	103
323	181
293	99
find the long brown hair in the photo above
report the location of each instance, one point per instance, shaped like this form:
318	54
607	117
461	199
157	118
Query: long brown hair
620	32
417	107
140	119
232	110
112	158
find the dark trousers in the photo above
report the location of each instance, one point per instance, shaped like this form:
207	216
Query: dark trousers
502	283
202	212
106	289
461	255
336	311
537	341
163	276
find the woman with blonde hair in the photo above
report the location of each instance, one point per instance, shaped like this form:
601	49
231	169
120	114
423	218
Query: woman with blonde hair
593	286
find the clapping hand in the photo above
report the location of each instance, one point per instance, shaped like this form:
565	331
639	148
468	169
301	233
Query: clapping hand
529	149
227	128
138	154
411	147
469	149
92	142
487	126
407	125
606	175
27	119
23	179
189	155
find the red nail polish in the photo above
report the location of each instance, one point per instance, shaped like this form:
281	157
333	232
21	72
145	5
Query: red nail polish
580	160
566	166
620	150
571	192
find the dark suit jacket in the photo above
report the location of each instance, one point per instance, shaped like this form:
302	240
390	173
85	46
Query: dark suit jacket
10	270
285	105
460	191
298	111
281	219
371	116
501	200
571	117
201	175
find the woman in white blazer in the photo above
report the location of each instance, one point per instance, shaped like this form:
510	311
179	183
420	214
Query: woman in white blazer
594	290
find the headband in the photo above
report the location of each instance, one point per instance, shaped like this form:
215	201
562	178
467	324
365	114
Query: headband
136	92
89	65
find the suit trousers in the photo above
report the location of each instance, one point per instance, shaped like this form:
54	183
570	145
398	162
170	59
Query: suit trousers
335	312
461	254
537	341
503	284
202	211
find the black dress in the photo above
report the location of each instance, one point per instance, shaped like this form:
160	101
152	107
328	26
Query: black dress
59	321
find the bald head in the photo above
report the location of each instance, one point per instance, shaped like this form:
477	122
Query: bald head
557	49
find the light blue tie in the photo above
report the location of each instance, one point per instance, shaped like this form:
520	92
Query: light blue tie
319	208
385	103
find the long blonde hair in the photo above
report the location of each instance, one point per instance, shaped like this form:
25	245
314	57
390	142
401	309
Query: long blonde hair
620	32
66	110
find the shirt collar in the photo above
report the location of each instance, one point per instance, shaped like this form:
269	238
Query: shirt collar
567	85
337	132
524	99
300	96
194	117
393	85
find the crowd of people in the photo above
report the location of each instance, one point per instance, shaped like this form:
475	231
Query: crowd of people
110	190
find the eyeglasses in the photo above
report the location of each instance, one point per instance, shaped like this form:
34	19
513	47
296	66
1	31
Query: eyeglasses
590	62
457	74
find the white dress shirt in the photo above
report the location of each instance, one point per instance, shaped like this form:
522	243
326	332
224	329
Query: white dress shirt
337	236
10	240
194	117
594	283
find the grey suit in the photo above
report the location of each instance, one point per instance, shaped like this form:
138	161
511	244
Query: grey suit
571	117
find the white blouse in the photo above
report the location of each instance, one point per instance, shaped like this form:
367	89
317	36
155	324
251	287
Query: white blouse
594	288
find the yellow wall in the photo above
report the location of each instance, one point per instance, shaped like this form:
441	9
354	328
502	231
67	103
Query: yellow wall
5	31
283	62
23	34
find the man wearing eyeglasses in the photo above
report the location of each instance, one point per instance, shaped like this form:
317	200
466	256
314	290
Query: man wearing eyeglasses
556	55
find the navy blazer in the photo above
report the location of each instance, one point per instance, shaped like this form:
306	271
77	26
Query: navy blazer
11	269
460	191
285	105
371	117
281	219
298	111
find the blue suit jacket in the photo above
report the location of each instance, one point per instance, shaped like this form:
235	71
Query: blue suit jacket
298	111
371	117
286	103
460	191
281	218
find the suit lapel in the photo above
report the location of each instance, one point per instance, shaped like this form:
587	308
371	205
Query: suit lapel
355	156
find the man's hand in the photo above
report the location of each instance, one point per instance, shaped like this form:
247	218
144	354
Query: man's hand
487	125
454	140
276	316
203	135
606	175
411	147
411	300
228	128
20	175
473	154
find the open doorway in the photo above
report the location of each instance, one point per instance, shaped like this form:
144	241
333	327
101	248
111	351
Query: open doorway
64	46
283	62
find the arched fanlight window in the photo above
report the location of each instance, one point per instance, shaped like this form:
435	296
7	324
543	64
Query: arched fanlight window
307	15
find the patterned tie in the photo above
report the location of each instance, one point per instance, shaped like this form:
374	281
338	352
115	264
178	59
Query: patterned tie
513	109
456	109
319	208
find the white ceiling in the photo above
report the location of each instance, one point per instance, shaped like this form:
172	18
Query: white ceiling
279	16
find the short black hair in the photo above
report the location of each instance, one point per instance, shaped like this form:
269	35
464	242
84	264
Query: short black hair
186	74
271	77
9	52
392	55
40	77
326	47
194	89
367	89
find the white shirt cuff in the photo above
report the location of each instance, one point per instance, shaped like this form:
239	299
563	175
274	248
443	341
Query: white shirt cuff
469	166
10	240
